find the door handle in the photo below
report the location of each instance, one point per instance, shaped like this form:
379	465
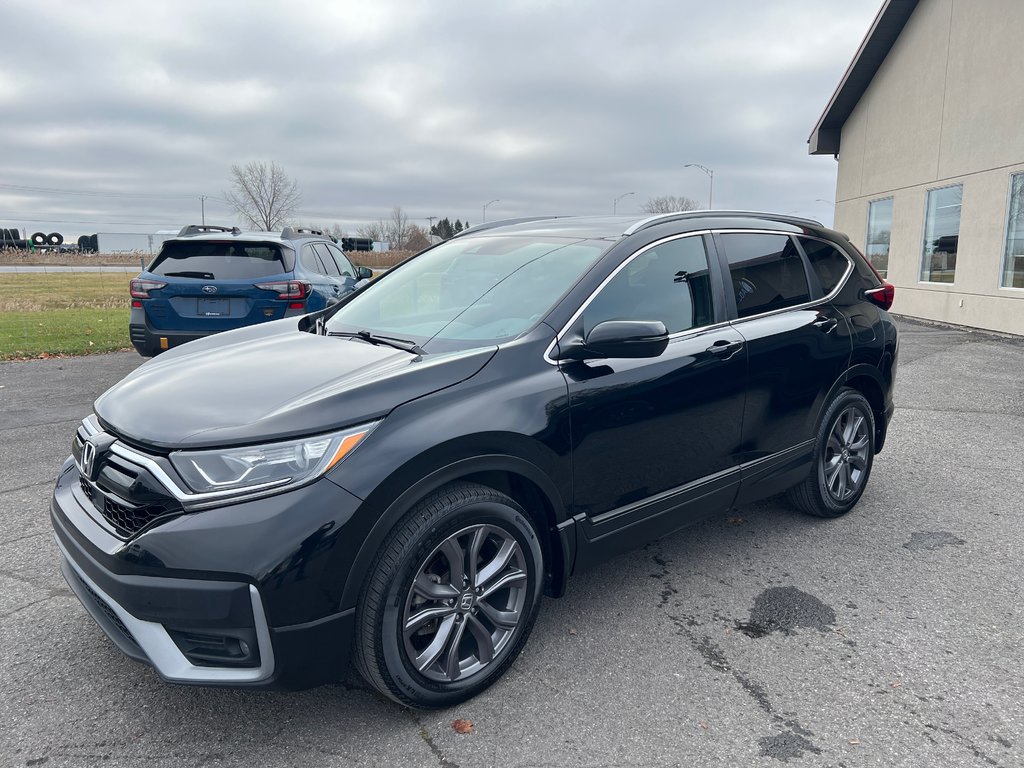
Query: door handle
825	324
723	348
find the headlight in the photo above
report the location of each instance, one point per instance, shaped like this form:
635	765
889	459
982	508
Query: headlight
255	467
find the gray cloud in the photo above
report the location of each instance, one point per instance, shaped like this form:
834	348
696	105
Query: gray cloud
553	107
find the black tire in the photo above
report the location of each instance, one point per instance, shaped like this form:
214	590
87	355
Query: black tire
55	238
38	239
844	451
412	577
83	243
94	244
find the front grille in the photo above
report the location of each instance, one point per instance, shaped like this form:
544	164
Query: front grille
127	496
108	611
126	520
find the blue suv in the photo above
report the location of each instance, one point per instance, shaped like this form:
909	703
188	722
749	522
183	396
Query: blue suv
210	279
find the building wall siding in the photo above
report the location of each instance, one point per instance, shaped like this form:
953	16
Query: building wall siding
945	107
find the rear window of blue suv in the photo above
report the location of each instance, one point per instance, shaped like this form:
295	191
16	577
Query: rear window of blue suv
207	260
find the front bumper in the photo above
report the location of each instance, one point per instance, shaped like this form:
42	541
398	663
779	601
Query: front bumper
150	642
260	577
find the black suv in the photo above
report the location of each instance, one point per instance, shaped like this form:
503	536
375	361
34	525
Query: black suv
400	477
210	279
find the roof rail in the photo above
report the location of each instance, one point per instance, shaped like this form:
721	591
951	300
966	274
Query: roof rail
503	223
202	229
660	218
294	233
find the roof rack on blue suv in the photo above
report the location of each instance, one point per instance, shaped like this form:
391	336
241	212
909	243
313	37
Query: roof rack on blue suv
205	229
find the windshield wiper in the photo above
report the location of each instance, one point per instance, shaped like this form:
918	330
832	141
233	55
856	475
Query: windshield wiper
390	341
200	275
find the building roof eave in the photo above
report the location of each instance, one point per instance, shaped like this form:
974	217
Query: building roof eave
884	31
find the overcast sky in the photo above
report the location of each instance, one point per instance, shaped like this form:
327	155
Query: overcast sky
439	107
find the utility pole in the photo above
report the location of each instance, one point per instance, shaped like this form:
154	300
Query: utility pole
430	220
202	203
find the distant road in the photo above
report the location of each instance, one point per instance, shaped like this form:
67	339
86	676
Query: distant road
126	268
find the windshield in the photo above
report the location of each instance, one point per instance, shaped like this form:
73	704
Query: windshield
470	291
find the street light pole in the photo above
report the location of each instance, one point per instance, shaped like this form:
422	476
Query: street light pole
615	203
711	175
202	203
485	207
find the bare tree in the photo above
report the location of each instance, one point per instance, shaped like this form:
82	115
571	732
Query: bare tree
419	239
669	204
263	196
396	230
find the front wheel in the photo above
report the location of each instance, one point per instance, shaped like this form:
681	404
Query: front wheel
843	454
451	598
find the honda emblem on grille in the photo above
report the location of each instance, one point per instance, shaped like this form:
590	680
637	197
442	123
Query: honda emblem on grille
88	458
209	289
92	449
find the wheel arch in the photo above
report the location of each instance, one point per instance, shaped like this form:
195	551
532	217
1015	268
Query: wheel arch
514	476
868	381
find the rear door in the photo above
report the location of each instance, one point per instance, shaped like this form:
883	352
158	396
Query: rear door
798	346
211	285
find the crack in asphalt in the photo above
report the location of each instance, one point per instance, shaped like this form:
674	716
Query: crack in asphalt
794	739
429	741
39	484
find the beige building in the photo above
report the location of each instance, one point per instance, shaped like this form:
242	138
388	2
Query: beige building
928	128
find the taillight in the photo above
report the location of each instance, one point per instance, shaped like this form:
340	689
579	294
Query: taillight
883	295
287	291
140	289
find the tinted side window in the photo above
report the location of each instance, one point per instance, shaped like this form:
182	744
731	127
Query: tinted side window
325	257
767	272
343	264
310	261
669	282
827	262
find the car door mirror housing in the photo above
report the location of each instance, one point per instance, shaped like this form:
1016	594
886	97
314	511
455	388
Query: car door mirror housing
364	273
618	338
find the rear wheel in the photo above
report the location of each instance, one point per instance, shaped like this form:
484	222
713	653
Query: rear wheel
451	598
843	454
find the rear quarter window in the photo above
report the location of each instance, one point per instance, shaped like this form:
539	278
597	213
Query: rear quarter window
827	262
206	260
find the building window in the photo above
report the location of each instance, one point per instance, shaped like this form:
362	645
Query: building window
879	233
1013	258
941	234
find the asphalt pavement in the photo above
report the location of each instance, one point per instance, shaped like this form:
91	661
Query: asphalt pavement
891	637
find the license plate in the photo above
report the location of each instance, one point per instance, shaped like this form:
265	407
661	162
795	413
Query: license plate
214	307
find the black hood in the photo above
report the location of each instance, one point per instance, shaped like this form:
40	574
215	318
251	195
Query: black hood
269	383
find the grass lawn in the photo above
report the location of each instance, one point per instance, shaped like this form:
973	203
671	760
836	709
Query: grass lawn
73	313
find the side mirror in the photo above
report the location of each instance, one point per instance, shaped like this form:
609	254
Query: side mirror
619	338
364	273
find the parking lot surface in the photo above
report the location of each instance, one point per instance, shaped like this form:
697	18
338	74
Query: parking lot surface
890	637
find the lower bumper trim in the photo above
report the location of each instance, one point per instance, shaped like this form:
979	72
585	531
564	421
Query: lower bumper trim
148	641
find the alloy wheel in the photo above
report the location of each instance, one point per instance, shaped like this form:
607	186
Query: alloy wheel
465	602
844	462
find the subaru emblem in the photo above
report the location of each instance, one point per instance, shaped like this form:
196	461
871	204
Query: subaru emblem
209	289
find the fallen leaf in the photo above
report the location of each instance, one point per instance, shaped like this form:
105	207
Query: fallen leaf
704	724
572	631
462	726
735	520
895	685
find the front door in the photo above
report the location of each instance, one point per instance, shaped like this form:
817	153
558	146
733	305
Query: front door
654	440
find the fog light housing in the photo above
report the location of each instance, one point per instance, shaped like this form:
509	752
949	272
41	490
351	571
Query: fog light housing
205	647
